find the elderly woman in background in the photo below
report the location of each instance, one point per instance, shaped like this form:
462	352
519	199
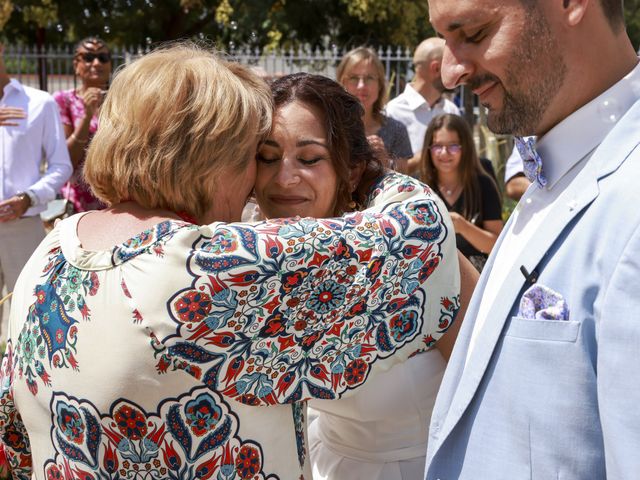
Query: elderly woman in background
79	109
141	343
362	74
316	162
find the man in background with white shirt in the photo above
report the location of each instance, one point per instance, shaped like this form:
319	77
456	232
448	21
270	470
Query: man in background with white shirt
422	98
515	181
30	133
543	382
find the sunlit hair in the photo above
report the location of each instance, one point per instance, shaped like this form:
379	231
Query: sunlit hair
172	122
365	54
470	168
342	120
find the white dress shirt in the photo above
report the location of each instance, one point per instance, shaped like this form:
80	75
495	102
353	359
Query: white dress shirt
564	150
411	109
513	166
38	137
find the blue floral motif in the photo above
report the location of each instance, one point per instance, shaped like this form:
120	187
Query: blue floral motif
134	443
403	325
70	423
202	414
223	242
328	296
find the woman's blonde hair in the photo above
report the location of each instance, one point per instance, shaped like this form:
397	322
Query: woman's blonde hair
367	54
172	121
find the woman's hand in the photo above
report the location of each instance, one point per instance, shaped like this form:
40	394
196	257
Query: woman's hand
482	238
92	99
9	114
459	222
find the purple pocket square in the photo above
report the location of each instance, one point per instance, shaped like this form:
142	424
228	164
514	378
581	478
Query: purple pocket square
542	303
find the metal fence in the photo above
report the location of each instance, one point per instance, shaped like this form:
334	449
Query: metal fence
51	69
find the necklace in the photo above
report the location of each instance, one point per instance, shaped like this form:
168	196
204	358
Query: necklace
448	191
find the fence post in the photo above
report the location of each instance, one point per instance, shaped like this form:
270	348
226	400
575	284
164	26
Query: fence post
42	60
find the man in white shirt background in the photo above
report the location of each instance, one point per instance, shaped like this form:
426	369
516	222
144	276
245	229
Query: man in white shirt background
515	181
30	133
422	98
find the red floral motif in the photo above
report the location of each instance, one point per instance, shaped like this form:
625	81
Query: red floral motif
53	472
171	457
193	306
447	303
248	462
110	460
131	422
355	371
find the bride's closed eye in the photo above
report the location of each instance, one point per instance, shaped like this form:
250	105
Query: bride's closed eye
267	159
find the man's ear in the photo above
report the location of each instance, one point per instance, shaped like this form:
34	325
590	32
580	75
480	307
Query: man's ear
573	11
435	66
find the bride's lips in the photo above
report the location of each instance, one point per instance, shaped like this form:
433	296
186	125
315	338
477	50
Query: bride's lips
287	199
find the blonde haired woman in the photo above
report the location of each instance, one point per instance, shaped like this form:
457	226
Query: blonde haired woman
141	344
362	74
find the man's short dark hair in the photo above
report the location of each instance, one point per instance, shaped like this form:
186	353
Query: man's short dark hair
612	9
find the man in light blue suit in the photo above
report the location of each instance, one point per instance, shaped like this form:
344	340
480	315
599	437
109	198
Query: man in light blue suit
544	380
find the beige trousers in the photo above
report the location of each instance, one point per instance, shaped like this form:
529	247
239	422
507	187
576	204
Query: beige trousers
18	240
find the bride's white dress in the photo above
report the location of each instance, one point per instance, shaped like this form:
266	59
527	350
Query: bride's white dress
381	431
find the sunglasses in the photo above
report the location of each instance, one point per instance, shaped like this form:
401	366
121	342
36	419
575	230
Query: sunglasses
453	149
90	57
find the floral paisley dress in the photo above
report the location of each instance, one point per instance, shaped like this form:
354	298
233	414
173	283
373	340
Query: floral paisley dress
190	351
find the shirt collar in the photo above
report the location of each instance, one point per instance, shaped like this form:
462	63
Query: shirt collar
11	86
415	100
581	132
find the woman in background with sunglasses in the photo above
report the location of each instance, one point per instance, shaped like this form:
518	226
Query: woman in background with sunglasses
79	108
450	165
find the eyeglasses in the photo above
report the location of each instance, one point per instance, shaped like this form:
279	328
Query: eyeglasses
453	149
368	80
90	57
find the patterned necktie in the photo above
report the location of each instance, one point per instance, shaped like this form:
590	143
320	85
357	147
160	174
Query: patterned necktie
531	160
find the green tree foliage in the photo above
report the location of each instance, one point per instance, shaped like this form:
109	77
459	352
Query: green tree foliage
255	23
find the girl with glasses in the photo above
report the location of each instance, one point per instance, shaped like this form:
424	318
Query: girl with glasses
79	109
362	74
450	165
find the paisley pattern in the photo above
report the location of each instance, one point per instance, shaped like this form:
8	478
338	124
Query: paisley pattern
194	436
313	314
156	358
48	337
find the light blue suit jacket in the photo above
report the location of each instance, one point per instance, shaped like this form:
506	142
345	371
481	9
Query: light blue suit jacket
552	399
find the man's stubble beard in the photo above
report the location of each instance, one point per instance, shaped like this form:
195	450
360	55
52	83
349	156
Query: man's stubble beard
536	75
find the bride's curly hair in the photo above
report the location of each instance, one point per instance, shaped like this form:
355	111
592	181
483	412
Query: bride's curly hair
346	138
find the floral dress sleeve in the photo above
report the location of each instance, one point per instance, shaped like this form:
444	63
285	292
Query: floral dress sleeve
14	441
63	100
286	310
